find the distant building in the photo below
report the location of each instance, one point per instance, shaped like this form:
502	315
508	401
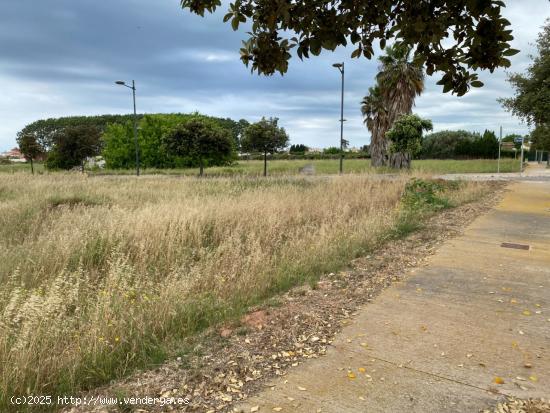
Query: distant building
95	162
14	155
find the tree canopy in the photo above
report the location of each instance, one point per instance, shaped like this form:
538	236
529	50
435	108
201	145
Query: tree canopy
266	137
443	144
30	148
540	138
532	88
298	149
72	145
460	144
153	129
200	143
452	37
406	137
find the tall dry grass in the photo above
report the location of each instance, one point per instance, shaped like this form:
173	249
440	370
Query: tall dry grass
98	274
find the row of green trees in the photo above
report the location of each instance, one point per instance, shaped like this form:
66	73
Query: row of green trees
64	143
46	131
156	147
184	141
447	144
460	144
164	141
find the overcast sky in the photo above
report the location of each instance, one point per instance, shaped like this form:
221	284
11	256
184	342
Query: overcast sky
61	57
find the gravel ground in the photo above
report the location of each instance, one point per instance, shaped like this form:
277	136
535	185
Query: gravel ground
225	365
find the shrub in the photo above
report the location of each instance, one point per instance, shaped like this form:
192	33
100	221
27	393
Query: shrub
443	145
426	195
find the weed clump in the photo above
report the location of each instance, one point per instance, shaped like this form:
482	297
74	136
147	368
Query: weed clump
424	197
428	195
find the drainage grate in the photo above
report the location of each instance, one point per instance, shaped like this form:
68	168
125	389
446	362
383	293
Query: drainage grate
515	246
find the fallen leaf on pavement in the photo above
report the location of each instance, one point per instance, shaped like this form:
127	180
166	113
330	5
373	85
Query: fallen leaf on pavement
498	380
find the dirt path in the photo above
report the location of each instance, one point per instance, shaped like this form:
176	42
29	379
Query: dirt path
469	328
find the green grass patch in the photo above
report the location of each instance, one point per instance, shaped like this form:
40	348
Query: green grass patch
25	168
254	168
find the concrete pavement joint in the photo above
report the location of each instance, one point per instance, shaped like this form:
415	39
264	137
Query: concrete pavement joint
427	373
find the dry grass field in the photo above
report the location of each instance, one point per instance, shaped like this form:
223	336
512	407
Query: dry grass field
101	275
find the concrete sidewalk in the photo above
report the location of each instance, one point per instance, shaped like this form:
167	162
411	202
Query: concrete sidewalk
460	333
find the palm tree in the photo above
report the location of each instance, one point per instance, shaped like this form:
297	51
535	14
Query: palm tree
399	81
376	118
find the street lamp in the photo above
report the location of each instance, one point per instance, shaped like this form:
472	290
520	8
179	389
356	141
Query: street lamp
521	156
499	146
133	87
340	67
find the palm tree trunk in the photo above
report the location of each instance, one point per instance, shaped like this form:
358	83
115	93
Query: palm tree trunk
378	153
378	148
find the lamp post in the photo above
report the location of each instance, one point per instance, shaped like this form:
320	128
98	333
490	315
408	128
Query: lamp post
521	157
133	87
340	67
499	145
